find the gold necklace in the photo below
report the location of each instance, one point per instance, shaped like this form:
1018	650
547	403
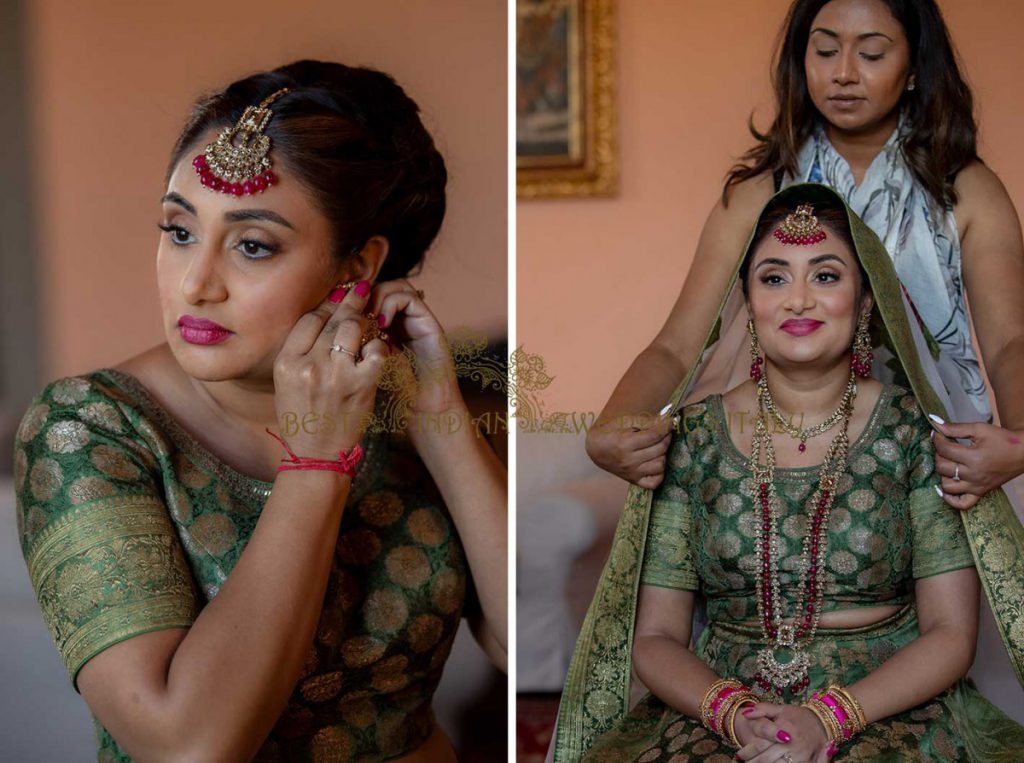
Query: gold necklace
805	434
774	675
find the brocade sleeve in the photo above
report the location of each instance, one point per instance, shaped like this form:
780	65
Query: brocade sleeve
669	560
939	540
102	554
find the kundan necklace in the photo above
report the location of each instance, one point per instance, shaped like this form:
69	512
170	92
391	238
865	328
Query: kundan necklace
773	675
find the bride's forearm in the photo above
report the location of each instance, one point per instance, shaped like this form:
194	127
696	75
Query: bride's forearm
918	672
672	673
947	608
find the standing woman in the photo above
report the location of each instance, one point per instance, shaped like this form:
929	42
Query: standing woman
869	100
220	594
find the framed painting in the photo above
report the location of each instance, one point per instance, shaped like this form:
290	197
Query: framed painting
565	99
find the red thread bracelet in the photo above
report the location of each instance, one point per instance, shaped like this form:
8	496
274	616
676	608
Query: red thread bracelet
346	463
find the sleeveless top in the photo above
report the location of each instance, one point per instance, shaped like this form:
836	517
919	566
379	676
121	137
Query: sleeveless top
129	525
923	241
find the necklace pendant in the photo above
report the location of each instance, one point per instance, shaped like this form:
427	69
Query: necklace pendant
802	447
783	675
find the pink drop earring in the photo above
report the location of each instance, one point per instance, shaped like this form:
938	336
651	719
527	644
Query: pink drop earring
756	361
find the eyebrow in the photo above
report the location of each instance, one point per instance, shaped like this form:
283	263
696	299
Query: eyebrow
241	215
235	216
177	198
813	261
864	36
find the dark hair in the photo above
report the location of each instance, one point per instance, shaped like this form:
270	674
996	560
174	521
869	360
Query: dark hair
355	140
830	214
943	135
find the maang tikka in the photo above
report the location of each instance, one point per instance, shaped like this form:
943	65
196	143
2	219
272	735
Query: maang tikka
240	167
800	228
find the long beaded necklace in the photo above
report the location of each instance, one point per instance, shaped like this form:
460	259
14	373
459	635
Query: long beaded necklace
773	675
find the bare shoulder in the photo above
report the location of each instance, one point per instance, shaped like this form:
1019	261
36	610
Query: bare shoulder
982	198
977	179
748	197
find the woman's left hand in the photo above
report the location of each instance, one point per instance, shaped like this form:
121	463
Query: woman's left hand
410	324
994	457
800	737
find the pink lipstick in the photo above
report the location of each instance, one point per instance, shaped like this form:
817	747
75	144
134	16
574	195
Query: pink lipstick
801	326
201	331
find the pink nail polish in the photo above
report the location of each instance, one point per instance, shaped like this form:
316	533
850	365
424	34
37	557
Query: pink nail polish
363	288
382	321
831	751
338	294
783	737
748	711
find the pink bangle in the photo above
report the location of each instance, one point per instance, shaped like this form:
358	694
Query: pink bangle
841	717
346	463
717	703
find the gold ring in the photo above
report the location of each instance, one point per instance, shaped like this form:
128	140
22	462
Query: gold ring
956	474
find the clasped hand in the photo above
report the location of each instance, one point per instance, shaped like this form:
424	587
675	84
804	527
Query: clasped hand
763	730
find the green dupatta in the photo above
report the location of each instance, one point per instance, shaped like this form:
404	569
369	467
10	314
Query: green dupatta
596	693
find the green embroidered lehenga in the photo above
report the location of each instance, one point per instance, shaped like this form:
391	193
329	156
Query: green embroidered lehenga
129	525
888	527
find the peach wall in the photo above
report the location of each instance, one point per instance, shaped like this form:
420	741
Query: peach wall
597	278
112	83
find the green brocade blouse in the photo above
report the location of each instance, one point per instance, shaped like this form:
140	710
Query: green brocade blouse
128	525
888	525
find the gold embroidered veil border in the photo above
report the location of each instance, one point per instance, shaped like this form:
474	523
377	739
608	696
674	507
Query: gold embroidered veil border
596	693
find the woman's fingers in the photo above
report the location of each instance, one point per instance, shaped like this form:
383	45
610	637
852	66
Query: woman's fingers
953	450
768	729
405	315
653	468
762	751
643	430
305	332
346	326
649	483
386	288
962	502
758	710
650	453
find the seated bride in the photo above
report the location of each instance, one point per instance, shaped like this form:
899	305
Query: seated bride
802	508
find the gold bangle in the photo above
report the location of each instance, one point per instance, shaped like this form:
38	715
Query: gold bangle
852	707
706	715
749	698
827	718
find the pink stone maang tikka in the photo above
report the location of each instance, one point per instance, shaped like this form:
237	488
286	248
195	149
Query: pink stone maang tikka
800	228
237	163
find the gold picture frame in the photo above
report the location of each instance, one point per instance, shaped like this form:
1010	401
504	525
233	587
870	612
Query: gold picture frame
565	99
